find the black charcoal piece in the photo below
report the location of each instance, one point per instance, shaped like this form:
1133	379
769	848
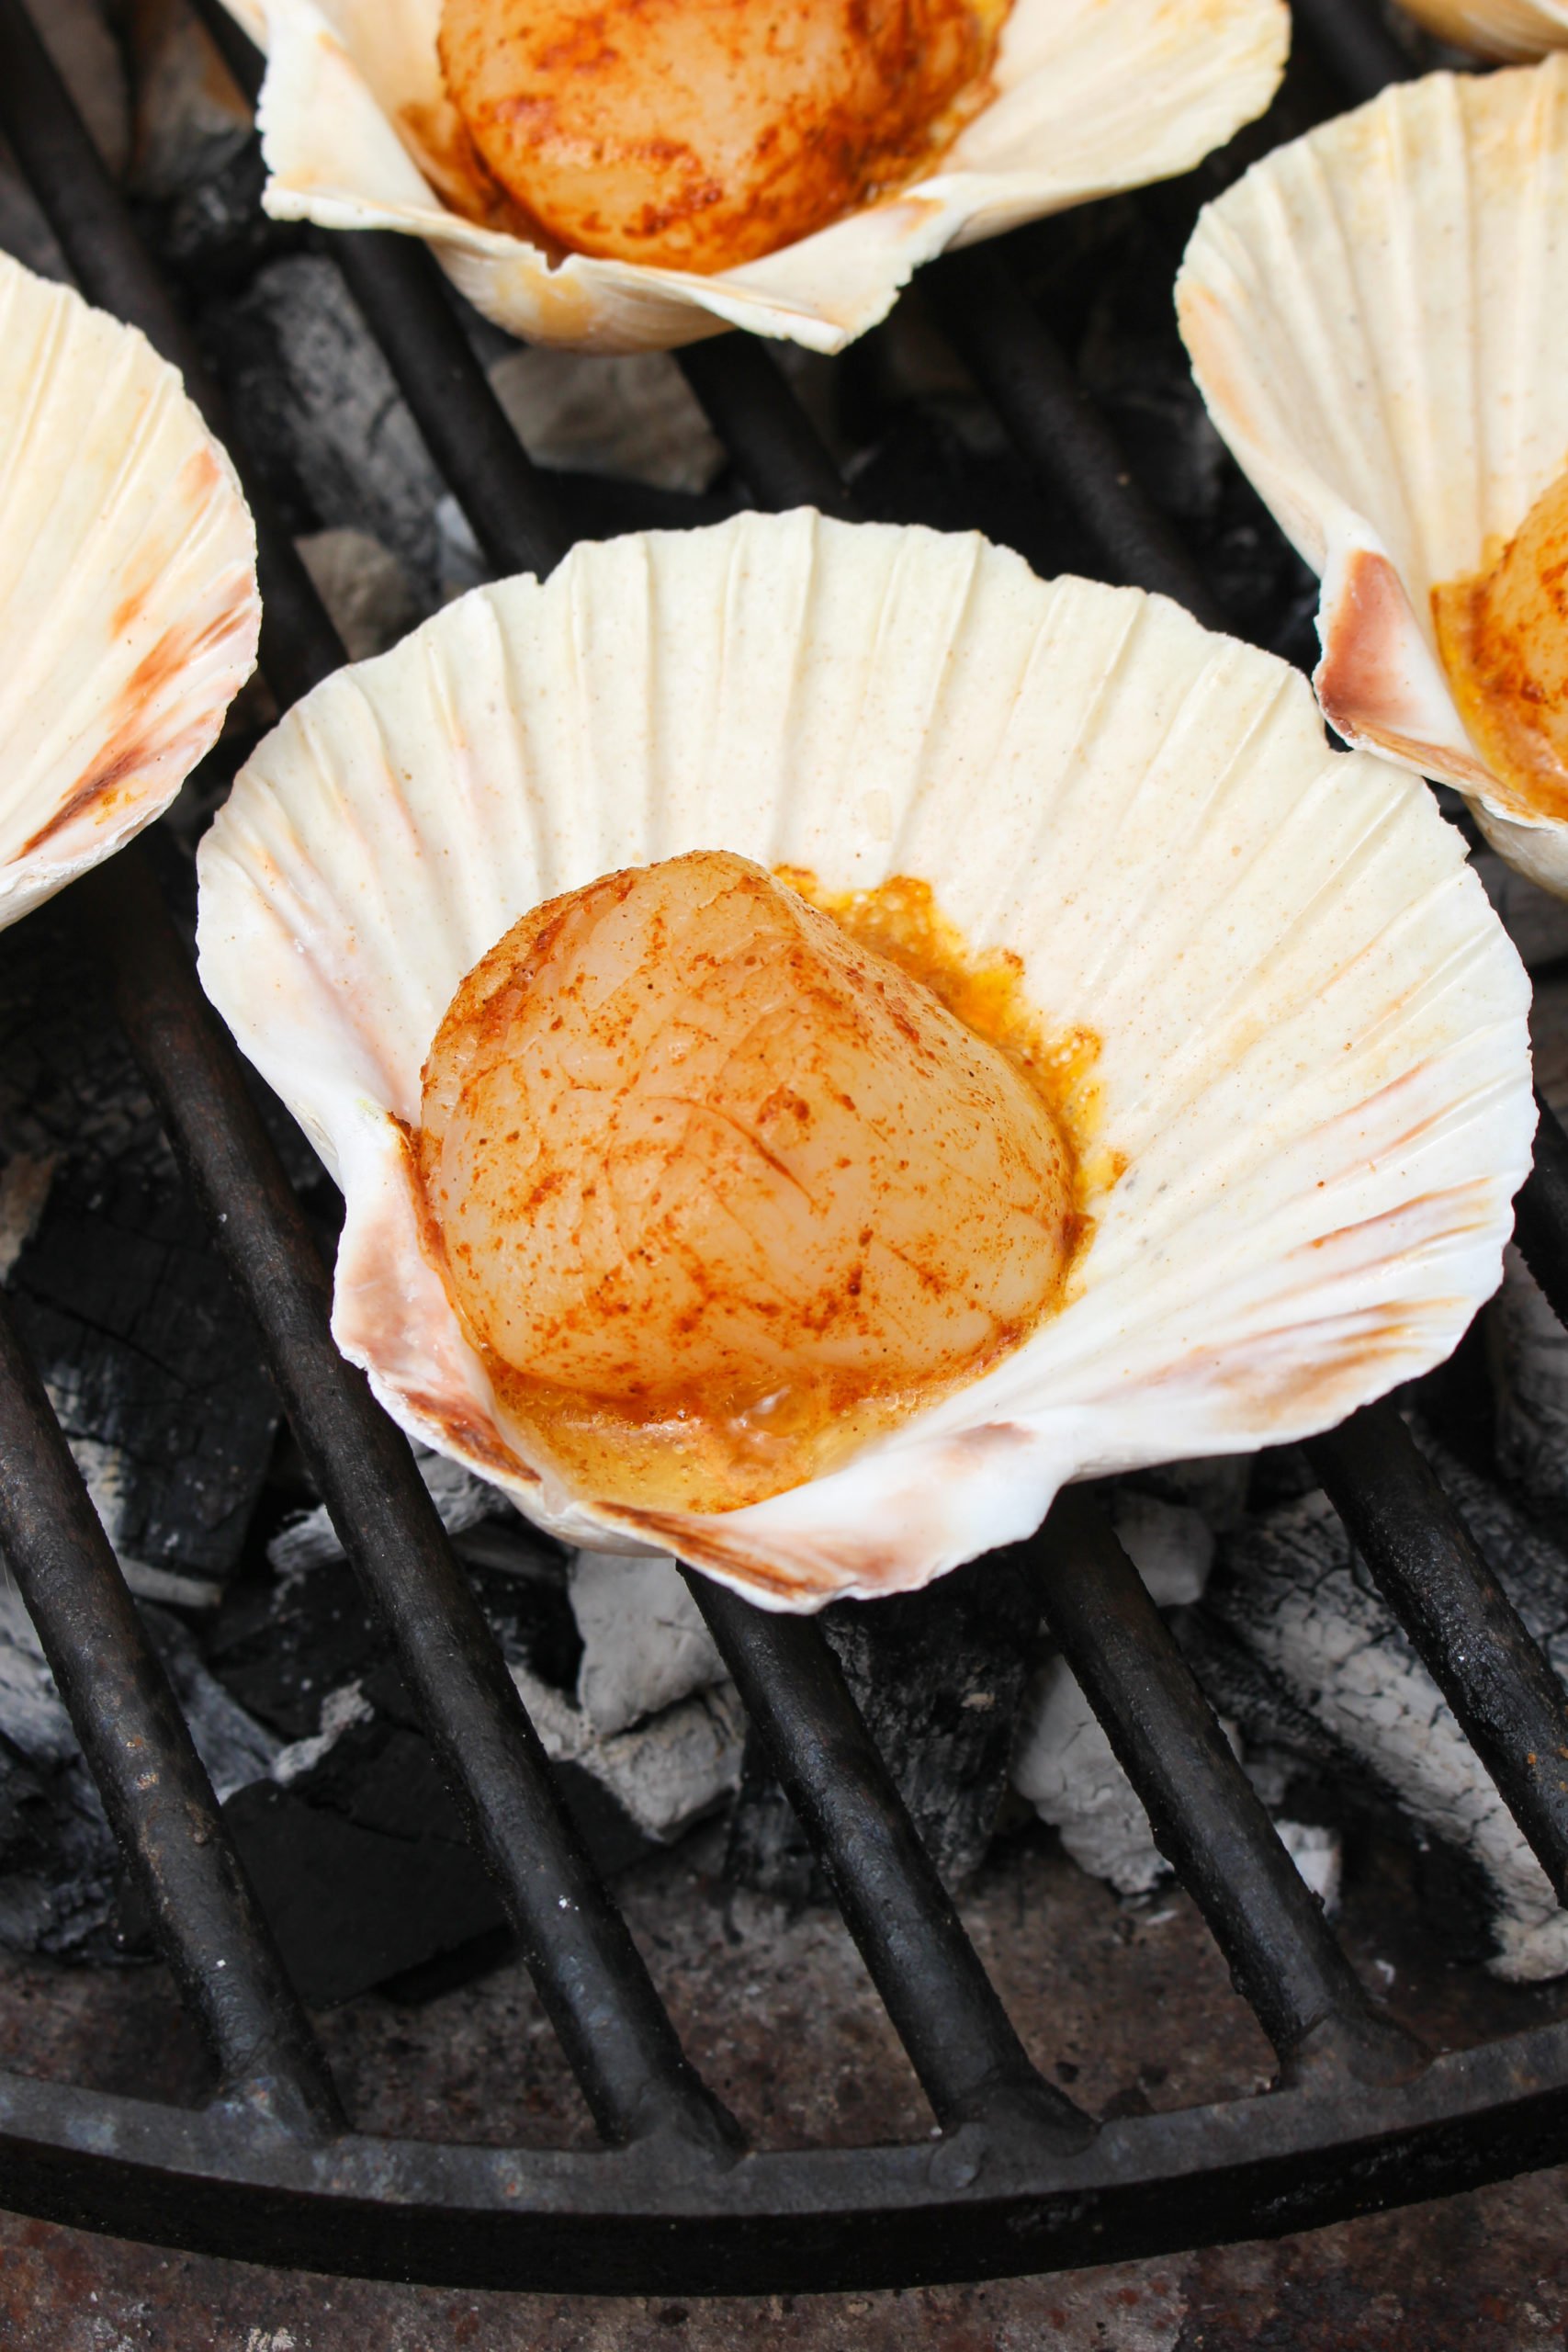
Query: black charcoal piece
939	1675
282	1647
323	417
149	1362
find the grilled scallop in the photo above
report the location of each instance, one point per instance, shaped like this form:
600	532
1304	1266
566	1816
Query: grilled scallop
1275	1022
700	134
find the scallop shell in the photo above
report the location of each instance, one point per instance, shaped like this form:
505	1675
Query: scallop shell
1505	29
1313	1055
127	593
1091	95
1377	317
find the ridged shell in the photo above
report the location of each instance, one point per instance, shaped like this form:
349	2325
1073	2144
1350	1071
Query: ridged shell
128	594
1377	316
1505	29
1314	1054
1092	95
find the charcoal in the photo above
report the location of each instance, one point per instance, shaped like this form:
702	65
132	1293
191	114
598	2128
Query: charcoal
149	1362
664	1774
939	1677
60	1873
946	463
629	418
363	587
323	417
280	1649
358	1851
59	1870
25	233
1292	1589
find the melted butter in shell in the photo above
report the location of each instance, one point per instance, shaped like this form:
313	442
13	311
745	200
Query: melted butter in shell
720	1189
1503	635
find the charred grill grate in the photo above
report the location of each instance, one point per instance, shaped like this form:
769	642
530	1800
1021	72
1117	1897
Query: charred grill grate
1018	2178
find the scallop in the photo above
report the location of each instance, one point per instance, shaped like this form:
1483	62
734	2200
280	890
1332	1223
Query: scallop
360	129
702	134
1284	1030
1377	317
128	594
1498	29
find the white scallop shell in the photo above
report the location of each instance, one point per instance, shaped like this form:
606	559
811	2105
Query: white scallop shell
1377	316
1314	1049
1091	95
127	593
1505	29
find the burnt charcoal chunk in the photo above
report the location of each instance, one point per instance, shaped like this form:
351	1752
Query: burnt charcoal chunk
323	417
939	1677
362	1863
150	1364
59	1865
351	1905
281	1649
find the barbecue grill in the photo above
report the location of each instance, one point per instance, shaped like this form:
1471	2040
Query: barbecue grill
1016	2178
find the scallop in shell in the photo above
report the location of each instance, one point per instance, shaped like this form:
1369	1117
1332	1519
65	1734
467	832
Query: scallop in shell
127	593
1308	1083
1089	95
1499	28
1377	317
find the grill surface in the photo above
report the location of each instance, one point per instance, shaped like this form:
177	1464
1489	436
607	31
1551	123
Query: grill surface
1016	2178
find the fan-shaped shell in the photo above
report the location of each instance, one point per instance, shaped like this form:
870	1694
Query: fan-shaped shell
1503	28
1312	1058
128	594
1377	316
1091	95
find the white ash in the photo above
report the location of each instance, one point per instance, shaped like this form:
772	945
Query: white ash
633	418
1529	1352
667	1774
341	1709
1169	1544
644	1645
366	591
461	1501
1295	1592
1318	1853
1064	1766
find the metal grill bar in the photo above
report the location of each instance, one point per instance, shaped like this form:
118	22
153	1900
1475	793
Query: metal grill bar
1540	1212
398	286
1030	381
959	2040
1361	54
158	1797
87	214
591	1979
590	1976
755	414
1467	1632
1207	1818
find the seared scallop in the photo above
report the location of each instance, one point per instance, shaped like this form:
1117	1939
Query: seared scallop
702	133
